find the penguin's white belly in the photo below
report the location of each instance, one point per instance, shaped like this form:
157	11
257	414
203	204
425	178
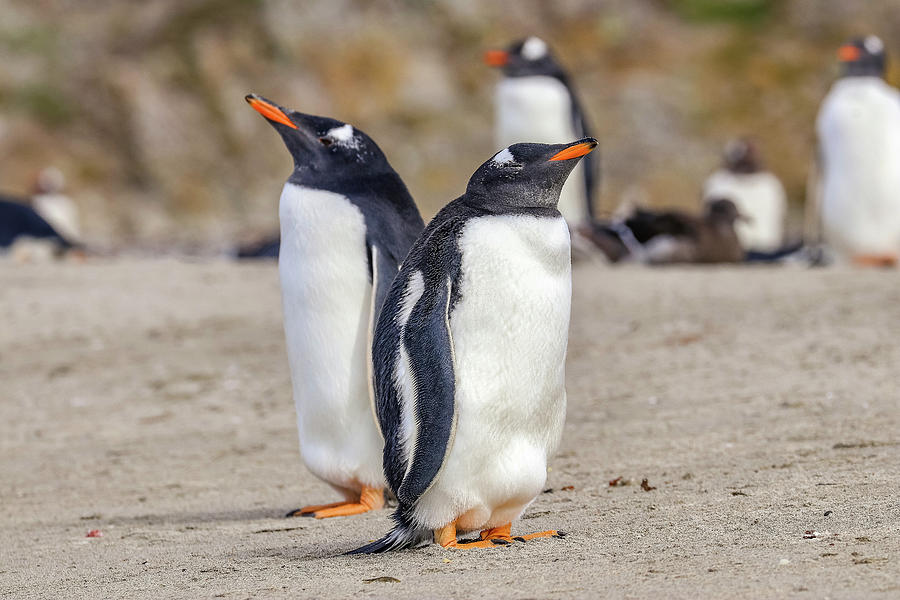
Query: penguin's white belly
509	330
859	136
327	296
61	212
539	109
758	196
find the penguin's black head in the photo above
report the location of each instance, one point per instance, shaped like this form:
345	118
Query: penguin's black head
741	156
526	175
321	147
723	211
862	57
525	58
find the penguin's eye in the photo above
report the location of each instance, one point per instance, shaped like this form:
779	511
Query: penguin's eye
326	141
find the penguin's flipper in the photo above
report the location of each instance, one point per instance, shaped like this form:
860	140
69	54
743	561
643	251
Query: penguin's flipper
429	345
414	375
384	269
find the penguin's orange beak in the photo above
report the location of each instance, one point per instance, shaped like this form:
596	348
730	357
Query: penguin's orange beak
496	58
848	53
268	110
576	151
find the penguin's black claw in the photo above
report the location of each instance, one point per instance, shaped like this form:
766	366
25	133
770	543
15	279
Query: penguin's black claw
561	534
519	538
499	542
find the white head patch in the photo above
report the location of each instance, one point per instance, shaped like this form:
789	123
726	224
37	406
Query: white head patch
534	48
343	136
873	44
503	157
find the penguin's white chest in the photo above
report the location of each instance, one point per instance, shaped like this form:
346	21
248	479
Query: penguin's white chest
533	109
326	297
509	330
859	136
760	198
539	109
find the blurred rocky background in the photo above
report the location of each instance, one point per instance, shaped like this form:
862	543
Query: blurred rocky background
141	104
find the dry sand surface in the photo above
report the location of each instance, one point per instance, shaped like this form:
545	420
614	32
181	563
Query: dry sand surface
150	400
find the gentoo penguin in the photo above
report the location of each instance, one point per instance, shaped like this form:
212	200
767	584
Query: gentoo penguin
469	353
536	102
757	194
347	221
858	129
19	221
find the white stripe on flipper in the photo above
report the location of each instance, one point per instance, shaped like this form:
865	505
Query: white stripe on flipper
370	368
403	375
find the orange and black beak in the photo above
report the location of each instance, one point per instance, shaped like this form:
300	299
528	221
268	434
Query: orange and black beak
849	53
576	150
269	110
496	58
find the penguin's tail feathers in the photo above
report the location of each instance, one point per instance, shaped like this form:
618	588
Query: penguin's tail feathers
405	534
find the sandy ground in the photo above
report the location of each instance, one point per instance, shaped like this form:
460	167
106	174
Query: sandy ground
150	400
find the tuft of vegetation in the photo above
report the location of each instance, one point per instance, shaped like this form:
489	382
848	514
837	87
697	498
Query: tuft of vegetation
30	40
739	12
46	103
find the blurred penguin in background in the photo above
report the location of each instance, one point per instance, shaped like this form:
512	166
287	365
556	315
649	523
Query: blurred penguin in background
536	102
858	127
757	195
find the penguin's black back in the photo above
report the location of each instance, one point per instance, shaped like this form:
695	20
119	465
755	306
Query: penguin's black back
392	220
20	220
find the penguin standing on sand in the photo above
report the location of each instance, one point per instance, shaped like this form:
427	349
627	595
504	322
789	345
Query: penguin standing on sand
858	128
756	193
536	101
347	221
469	354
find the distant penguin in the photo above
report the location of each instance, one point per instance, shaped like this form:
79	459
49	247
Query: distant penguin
18	221
347	221
469	354
536	102
757	194
858	129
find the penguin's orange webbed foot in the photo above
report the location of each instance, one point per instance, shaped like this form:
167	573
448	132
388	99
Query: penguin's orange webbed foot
490	538
498	535
308	510
875	260
541	534
369	499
